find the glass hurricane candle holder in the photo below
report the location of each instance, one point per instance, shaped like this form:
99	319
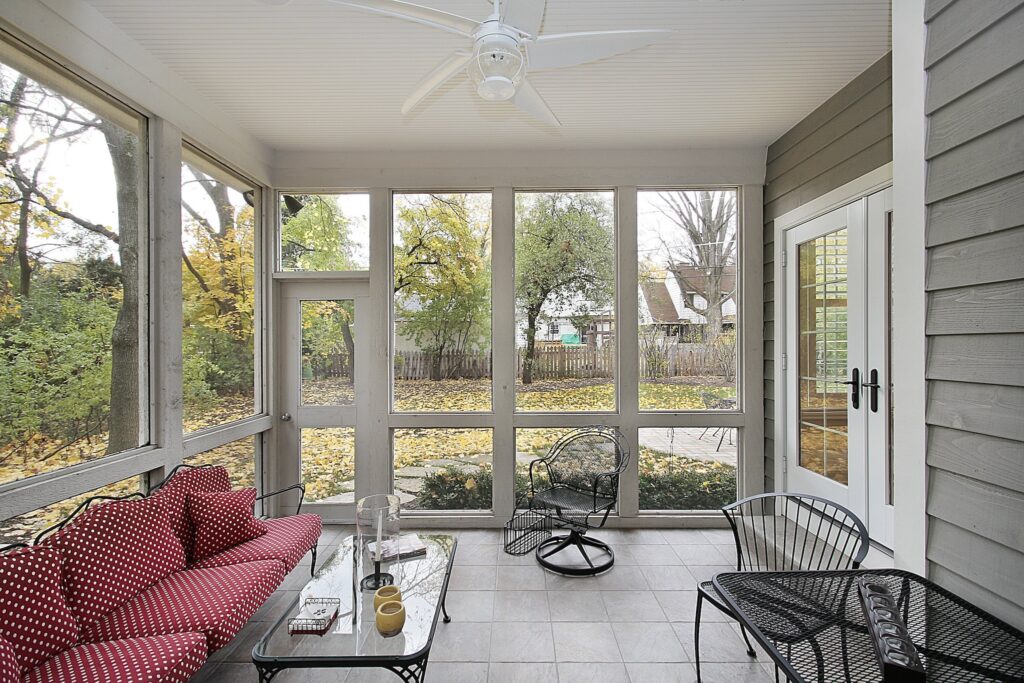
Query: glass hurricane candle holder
377	526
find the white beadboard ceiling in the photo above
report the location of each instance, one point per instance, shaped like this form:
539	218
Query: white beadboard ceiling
315	75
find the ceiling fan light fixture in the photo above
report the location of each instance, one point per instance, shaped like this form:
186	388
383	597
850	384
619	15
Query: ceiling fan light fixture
497	67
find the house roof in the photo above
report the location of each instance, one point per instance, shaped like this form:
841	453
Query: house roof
659	301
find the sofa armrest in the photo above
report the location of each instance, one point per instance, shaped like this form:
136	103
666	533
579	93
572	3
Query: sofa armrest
302	494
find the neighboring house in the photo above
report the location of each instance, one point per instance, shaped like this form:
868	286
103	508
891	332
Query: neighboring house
664	305
559	330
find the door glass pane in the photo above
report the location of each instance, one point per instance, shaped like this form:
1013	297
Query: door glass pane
822	362
442	314
329	464
687	468
443	469
328	352
565	301
325	232
686	248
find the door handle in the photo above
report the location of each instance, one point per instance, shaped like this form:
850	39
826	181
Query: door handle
874	386
854	388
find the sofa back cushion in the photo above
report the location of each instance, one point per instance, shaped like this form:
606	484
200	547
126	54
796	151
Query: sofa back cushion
113	552
223	520
35	620
173	496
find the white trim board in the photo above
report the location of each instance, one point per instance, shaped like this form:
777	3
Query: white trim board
870	182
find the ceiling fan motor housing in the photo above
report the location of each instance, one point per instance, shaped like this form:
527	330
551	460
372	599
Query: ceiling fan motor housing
498	65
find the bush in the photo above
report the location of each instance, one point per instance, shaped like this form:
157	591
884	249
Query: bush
695	485
453	488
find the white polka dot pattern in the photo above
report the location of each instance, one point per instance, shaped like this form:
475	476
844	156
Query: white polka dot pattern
160	659
113	552
34	617
287	539
216	601
173	496
10	670
223	520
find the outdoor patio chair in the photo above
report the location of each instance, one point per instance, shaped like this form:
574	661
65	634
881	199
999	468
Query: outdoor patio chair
576	481
786	532
712	402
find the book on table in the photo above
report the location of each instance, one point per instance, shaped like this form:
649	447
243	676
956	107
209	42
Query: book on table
400	548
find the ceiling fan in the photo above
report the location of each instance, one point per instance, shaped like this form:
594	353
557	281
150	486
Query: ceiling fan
507	46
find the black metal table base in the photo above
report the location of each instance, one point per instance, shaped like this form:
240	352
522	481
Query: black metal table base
556	545
414	671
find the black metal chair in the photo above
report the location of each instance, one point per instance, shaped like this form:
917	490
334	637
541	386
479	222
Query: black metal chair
786	532
578	479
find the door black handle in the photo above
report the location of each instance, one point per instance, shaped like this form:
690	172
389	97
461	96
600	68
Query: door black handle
874	386
854	388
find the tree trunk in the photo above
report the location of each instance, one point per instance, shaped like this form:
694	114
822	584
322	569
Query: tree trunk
124	373
350	347
21	245
531	343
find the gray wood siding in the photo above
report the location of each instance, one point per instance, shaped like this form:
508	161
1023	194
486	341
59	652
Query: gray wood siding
846	137
975	318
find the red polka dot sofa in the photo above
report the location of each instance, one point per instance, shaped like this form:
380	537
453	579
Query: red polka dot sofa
113	595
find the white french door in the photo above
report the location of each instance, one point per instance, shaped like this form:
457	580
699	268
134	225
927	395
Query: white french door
836	360
322	366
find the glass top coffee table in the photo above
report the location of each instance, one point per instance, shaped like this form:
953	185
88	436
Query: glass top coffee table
355	642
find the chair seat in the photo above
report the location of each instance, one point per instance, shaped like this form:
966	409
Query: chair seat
287	540
571	500
171	658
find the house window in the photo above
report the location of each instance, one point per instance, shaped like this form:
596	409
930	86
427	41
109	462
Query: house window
553	329
73	271
324	232
564	269
444	469
688	299
220	223
238	457
441	264
687	468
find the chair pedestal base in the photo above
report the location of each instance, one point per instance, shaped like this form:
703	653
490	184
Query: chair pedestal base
597	556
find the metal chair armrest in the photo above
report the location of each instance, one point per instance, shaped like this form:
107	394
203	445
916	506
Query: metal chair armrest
533	488
302	494
597	484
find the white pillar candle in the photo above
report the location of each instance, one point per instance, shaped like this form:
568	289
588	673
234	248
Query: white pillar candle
380	534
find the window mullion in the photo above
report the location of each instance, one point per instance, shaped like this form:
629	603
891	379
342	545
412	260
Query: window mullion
504	344
626	323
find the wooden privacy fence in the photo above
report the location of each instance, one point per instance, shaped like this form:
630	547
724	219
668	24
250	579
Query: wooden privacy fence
562	362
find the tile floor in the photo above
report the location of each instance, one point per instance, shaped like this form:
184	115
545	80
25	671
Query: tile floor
513	622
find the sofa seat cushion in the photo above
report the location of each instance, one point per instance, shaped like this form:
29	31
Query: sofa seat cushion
113	552
216	601
172	658
223	519
35	619
10	670
173	496
287	540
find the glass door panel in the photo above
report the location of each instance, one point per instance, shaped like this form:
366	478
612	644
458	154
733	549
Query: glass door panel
328	352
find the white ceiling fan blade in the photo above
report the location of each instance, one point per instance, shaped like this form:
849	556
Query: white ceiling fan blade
427	16
444	71
569	49
530	101
525	15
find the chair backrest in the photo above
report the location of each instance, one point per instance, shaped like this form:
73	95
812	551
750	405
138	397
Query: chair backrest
581	456
795	532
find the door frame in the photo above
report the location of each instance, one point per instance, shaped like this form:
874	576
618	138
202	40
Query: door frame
867	184
291	415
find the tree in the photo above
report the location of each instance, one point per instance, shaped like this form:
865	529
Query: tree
442	277
707	221
565	258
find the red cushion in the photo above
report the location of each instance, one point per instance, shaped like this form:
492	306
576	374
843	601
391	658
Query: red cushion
287	539
34	617
173	496
10	670
216	601
222	520
160	659
112	553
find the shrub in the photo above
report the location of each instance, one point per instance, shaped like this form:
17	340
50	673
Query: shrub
691	485
453	488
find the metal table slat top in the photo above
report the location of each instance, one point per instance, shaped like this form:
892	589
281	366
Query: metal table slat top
424	584
812	625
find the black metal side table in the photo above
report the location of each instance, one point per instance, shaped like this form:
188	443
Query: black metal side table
812	625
